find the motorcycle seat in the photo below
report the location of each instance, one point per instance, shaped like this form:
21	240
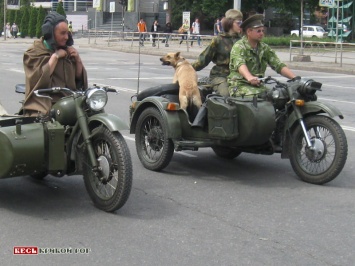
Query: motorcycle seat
172	89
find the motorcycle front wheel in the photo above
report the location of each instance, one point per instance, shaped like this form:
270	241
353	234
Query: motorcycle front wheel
154	149
110	190
323	163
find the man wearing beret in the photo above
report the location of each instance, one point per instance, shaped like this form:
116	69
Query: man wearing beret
249	59
218	52
52	61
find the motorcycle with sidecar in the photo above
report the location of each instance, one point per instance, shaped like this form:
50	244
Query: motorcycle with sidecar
288	120
76	138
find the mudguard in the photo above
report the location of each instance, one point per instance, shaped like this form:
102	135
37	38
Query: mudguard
171	117
314	108
112	122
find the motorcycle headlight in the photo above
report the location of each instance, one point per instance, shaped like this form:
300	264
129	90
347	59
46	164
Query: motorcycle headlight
96	99
309	87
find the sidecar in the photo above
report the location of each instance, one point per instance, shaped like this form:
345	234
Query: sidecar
228	125
30	147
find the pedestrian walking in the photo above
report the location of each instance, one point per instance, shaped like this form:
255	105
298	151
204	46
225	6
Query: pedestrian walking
142	29
196	31
14	30
8	30
155	28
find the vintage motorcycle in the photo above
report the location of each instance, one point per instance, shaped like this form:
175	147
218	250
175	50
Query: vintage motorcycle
77	137
287	120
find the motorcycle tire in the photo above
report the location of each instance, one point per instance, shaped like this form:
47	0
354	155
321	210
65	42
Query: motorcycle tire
329	139
153	147
111	191
226	152
39	176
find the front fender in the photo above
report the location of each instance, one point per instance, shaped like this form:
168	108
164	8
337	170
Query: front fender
314	108
112	122
171	117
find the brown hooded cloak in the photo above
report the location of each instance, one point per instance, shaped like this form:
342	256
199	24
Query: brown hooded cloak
38	76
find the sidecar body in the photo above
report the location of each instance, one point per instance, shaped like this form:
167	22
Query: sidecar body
234	123
29	147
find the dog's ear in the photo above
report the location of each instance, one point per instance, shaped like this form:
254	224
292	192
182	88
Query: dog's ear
177	55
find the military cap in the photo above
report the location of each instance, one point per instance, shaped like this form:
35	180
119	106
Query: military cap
234	14
254	21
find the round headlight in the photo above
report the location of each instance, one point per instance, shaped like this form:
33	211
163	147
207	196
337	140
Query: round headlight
96	99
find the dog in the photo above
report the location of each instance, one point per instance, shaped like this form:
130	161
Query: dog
186	76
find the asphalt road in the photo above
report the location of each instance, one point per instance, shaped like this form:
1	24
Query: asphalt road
201	210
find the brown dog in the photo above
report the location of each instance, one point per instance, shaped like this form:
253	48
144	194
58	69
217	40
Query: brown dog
186	76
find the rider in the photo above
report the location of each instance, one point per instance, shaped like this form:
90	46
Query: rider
52	61
249	59
218	51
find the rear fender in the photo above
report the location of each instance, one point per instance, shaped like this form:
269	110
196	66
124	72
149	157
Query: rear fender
171	117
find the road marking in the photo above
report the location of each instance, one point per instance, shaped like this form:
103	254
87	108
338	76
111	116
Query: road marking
348	128
178	152
336	86
332	100
150	78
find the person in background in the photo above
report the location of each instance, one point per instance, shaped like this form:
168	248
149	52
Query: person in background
14	30
218	52
142	29
215	27
249	59
155	28
70	27
196	31
52	61
185	29
168	30
220	25
8	30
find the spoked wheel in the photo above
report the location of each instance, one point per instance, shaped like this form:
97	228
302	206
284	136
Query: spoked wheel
325	160
226	152
154	149
110	187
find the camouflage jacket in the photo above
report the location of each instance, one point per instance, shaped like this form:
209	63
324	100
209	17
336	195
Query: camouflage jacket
218	52
256	61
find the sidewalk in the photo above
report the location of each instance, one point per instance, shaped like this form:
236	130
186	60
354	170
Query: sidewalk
318	63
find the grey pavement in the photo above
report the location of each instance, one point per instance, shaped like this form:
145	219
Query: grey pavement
319	62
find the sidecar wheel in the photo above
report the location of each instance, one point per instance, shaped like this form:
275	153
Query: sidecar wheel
154	149
226	152
111	189
39	176
331	149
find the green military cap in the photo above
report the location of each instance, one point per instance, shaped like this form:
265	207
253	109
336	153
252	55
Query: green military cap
254	21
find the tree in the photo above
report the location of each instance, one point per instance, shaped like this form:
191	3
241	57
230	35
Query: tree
33	22
41	14
24	26
60	9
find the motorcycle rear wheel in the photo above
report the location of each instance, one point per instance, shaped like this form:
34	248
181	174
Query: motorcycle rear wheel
111	191
226	152
326	162
153	147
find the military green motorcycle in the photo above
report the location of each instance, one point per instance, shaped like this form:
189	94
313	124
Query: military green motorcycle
287	120
76	138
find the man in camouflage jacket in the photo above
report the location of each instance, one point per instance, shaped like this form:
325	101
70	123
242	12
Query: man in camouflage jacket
249	59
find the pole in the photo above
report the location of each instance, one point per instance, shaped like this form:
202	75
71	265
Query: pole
237	4
301	28
5	19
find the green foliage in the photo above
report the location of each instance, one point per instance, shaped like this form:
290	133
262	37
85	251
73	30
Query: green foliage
41	14
33	22
24	26
60	9
284	41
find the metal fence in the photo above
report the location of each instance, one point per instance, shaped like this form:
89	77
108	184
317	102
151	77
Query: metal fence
332	52
162	40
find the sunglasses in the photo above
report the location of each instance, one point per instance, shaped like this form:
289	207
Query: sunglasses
238	22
